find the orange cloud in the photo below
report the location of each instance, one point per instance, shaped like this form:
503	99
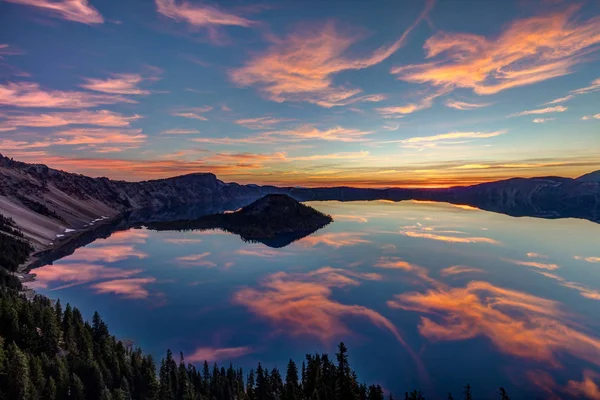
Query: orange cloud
26	94
117	84
451	136
546	110
301	66
73	274
463	105
587	388
517	323
129	288
399	111
333	239
199	15
529	50
533	264
100	118
71	10
458	269
445	238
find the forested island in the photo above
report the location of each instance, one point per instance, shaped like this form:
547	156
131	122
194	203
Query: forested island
50	352
265	220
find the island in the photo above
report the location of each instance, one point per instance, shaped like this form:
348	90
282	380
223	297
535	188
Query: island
275	220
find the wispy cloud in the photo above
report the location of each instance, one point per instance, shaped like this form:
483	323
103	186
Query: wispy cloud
447	137
199	15
180	132
463	105
26	94
120	84
99	118
71	10
301	66
593	87
192	112
542	120
261	122
459	269
529	50
547	110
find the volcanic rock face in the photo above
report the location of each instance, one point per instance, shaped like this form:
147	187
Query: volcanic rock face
268	218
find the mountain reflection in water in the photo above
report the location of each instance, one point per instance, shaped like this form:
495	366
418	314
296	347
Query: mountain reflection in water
427	295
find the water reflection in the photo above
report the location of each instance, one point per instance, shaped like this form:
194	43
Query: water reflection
464	294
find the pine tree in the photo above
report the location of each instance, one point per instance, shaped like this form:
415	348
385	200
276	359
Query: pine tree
503	394
49	392
19	382
467	392
292	389
76	390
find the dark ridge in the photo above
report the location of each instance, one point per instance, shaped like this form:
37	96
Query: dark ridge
272	217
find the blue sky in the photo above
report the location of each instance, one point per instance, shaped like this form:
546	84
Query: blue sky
386	93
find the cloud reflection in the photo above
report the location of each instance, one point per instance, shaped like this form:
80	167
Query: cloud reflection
132	288
517	323
107	254
334	239
458	269
449	236
301	304
73	274
218	354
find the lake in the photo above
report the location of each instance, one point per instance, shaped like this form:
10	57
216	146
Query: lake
425	295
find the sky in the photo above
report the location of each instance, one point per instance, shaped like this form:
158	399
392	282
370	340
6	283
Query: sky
386	93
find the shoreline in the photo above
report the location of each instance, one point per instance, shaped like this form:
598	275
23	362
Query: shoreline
68	237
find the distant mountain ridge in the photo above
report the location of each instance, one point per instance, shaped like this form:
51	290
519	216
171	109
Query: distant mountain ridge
44	202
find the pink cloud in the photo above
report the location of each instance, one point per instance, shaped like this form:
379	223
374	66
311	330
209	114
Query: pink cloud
133	288
99	118
213	354
110	253
192	113
301	305
196	260
72	274
71	10
199	14
529	51
463	105
301	66
261	122
25	94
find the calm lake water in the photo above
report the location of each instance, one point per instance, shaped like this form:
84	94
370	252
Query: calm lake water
425	295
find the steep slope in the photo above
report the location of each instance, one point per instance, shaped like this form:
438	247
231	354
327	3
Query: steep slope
591	177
